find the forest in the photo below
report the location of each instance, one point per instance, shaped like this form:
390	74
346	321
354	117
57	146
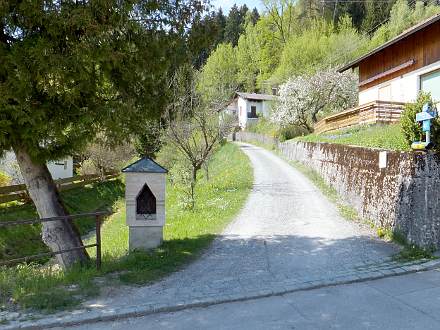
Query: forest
292	38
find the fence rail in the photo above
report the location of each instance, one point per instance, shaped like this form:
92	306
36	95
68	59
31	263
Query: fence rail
19	192
98	221
377	112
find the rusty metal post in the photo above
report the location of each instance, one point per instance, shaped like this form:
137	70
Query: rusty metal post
98	242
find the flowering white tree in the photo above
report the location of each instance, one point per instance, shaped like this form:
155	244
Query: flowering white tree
303	98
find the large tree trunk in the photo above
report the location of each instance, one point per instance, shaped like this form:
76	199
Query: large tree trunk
57	235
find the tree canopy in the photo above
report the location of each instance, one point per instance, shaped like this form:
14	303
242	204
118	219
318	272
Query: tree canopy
293	38
72	69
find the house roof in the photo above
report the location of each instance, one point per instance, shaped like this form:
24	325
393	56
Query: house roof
401	36
144	165
256	97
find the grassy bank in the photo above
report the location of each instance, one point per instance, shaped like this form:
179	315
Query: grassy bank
388	137
16	242
187	234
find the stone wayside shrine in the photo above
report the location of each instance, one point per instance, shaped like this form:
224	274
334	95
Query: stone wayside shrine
145	203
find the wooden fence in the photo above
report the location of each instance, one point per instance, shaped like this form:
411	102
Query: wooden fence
377	112
19	192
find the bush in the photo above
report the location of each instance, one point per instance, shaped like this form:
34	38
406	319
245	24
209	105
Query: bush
263	126
5	180
102	157
87	167
148	143
413	130
266	127
290	132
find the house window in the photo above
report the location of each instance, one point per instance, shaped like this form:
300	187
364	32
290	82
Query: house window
430	83
64	164
241	110
253	113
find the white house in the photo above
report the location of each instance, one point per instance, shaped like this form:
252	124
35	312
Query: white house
402	67
248	107
59	169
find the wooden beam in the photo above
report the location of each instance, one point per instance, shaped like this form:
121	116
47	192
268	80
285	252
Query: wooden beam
388	72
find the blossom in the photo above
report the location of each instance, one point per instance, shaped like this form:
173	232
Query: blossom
304	98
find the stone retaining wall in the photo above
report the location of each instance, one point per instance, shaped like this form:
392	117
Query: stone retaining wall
405	195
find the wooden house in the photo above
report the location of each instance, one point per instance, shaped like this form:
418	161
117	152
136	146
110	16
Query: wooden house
400	68
392	75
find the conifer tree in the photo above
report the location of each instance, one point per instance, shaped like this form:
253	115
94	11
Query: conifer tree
70	69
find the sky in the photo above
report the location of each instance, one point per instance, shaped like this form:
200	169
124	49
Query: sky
227	4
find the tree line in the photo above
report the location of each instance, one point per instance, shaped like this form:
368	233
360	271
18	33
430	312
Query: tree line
293	38
297	47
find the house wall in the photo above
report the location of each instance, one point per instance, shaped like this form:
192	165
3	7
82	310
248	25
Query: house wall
61	169
242	112
263	108
423	47
266	108
404	88
245	106
403	194
58	169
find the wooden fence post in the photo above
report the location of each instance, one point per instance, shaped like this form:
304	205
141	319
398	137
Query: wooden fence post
98	242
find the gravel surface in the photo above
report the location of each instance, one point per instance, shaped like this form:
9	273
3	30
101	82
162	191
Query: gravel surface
288	232
288	237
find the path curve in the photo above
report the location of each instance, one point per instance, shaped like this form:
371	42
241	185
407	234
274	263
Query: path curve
287	234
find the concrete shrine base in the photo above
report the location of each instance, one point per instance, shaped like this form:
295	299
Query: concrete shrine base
144	238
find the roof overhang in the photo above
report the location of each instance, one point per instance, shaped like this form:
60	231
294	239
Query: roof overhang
255	97
400	37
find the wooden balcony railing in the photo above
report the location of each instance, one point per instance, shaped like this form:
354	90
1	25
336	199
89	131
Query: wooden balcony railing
377	112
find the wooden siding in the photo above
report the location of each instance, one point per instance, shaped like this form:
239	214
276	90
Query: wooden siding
378	112
422	46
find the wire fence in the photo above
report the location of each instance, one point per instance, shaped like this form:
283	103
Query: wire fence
98	216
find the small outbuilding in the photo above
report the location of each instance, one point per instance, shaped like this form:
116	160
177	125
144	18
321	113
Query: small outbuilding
248	107
145	183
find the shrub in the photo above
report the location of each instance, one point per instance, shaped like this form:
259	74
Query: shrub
266	127
5	180
263	126
413	130
148	143
87	167
102	157
289	132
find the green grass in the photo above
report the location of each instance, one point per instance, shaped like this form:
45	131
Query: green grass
410	252
388	137
19	241
187	233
